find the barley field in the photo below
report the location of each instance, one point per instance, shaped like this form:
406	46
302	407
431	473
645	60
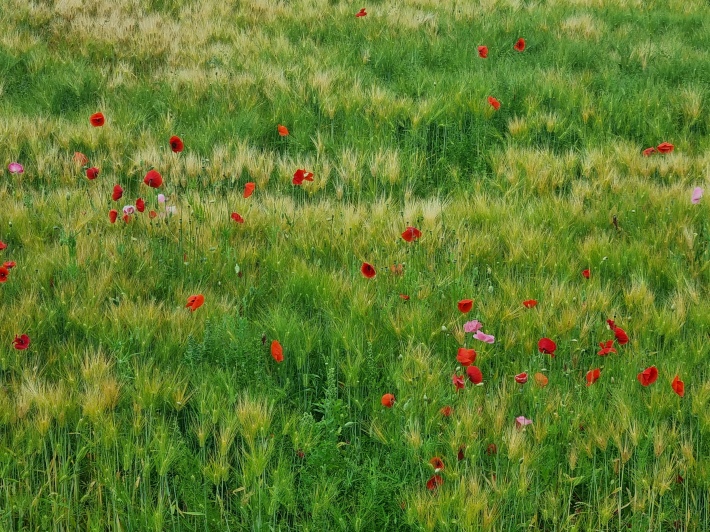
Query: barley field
316	265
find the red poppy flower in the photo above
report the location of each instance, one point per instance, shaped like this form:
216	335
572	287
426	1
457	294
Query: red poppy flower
176	144
404	296
545	345
368	270
277	351
446	411
127	218
80	159
520	45
530	303
140	205
92	173
483	51
283	130
249	189
474	374
387	400
648	376
237	218
361	13
9	264
434	482
606	348
112	215
397	269
411	233
649	151
465	305
458	381
621	336
117	193
586	273
437	463
153	179
152	214
4	272
460	455
665	147
592	376
678	386
97	119
195	302
3	245
521	378
22	342
301	175
466	357
494	102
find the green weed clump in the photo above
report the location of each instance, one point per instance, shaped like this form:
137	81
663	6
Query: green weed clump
126	410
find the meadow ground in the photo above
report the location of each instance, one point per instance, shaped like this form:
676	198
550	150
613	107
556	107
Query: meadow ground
525	173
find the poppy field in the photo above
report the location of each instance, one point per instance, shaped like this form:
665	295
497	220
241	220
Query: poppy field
309	265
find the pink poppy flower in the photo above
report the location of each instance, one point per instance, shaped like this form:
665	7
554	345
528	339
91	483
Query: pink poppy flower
483	337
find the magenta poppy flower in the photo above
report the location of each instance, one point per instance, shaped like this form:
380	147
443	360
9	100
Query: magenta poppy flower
472	326
696	196
522	421
483	337
15	168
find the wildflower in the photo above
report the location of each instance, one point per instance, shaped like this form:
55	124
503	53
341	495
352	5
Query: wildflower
21	342
283	130
161	198
491	449
458	381
3	245
483	337
541	379
648	376
301	175
519	45
10	264
249	189
195	302
472	326
361	13
404	296
153	179
545	345
649	151
277	351
494	102
15	168
521	378
411	233
434	482
97	119
483	51
387	400
530	303
437	463
368	270
80	159
176	144
4	272
112	215
586	273
678	386
522	421
446	411
466	357
460	455
117	192
237	218
665	147
606	348
474	375
592	376
696	196
140	205
128	210
465	305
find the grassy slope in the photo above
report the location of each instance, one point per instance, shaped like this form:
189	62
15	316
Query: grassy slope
129	411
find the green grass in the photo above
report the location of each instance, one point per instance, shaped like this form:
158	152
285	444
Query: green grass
129	412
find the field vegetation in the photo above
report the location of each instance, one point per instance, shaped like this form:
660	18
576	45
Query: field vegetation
521	176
